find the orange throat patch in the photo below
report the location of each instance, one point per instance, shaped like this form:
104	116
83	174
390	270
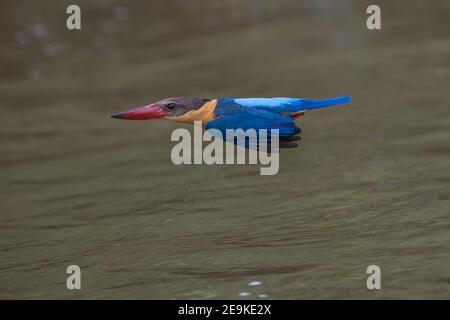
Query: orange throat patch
204	114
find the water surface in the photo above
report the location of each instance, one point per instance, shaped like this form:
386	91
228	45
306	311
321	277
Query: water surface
369	184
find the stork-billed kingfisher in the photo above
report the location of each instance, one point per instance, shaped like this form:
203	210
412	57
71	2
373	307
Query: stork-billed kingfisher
235	113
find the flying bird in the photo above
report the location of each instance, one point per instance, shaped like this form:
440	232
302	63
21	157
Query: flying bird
235	113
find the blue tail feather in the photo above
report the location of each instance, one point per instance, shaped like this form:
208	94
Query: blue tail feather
316	104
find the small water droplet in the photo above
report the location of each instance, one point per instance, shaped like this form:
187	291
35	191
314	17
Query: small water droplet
120	13
51	50
254	283
39	30
20	38
244	294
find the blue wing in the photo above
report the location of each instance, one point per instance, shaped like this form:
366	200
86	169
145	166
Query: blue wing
278	105
253	118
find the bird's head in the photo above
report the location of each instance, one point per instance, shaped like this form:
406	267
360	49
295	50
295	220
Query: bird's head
167	108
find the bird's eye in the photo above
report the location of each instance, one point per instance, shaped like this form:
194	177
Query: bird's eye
171	106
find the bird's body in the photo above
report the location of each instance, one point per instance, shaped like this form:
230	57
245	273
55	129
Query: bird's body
235	113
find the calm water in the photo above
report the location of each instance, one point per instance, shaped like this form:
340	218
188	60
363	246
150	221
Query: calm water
370	183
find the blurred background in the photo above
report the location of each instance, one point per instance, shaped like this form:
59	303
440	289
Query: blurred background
369	184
